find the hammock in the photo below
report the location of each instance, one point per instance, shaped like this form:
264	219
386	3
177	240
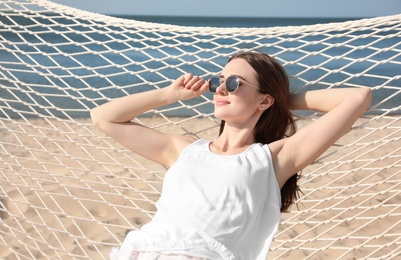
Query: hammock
68	191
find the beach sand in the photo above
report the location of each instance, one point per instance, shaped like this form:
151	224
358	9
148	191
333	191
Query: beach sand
70	192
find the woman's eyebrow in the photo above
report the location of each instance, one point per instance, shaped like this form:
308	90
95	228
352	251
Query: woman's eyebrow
239	76
242	79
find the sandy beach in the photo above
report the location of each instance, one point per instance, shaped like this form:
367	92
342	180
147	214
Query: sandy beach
69	192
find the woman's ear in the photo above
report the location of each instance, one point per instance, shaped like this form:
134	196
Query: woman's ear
266	102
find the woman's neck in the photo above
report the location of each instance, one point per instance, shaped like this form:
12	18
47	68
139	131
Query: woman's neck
232	141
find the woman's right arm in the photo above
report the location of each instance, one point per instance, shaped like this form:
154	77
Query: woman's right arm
114	118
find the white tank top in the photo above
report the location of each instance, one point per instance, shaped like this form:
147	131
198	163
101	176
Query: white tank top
214	206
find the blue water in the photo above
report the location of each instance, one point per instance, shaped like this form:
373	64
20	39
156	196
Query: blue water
381	70
90	80
248	22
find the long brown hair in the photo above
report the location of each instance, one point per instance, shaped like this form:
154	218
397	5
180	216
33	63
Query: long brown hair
277	122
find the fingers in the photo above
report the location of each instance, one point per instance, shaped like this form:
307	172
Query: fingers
187	78
195	83
203	87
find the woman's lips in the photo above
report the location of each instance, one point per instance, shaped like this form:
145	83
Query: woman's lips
221	102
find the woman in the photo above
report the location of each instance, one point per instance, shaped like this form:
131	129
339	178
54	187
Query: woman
221	199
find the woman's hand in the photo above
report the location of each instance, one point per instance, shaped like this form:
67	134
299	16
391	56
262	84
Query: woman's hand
187	87
115	119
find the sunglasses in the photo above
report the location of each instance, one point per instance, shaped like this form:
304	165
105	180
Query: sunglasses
231	83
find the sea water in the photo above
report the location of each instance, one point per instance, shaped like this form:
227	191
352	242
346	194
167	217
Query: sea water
75	71
229	22
367	73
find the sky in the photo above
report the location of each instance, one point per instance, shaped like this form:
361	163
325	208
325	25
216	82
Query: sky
241	8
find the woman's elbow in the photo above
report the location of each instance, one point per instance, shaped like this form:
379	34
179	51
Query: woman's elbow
361	99
365	97
96	117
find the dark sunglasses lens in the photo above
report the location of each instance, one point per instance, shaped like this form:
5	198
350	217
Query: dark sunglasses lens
232	84
214	83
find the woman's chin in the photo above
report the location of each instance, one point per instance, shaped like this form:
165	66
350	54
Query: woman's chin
218	115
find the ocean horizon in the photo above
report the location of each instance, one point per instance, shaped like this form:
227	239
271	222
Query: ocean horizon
238	22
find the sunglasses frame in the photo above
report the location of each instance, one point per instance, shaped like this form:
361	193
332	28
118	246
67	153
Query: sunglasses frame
237	80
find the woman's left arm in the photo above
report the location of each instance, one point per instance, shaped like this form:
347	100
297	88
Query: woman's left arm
342	107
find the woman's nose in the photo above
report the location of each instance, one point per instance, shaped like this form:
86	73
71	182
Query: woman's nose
221	89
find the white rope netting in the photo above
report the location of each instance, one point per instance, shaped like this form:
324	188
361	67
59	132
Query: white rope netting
68	191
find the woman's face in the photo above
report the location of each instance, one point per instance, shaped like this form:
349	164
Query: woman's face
243	104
